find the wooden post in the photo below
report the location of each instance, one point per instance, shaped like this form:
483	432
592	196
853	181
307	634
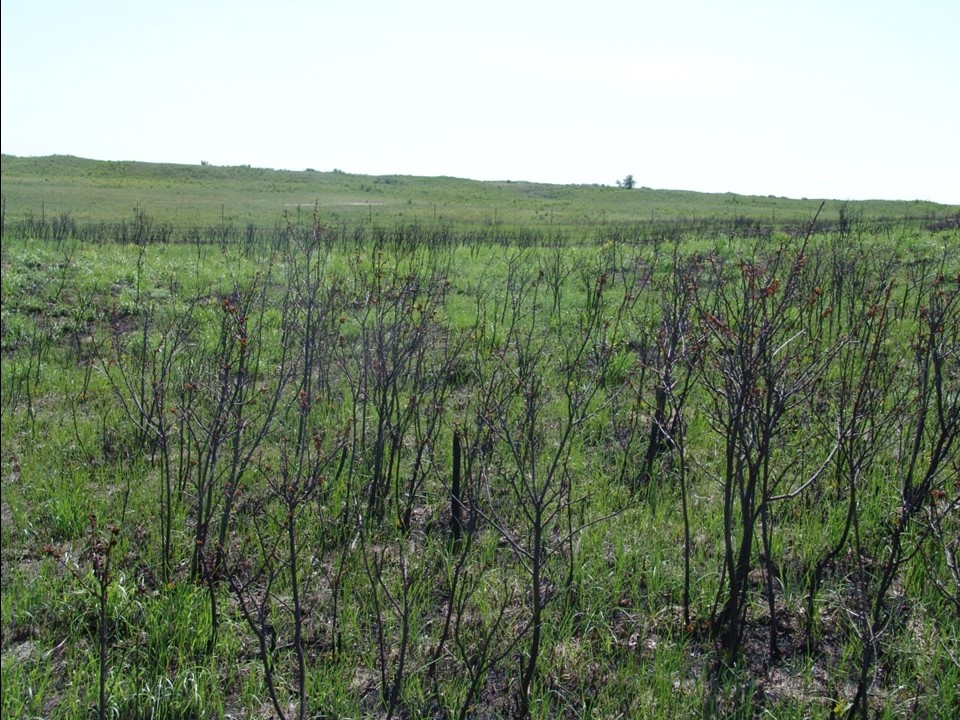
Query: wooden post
456	506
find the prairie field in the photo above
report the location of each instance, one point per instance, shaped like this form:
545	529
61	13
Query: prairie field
319	445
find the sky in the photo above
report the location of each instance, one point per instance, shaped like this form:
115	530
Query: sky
842	99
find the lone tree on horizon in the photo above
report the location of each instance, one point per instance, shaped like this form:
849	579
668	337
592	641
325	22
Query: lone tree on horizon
628	183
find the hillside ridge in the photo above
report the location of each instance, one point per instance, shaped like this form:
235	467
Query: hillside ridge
107	190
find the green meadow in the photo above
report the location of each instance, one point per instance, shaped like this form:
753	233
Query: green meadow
203	195
320	445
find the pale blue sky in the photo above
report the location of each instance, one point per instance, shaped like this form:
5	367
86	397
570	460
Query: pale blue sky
819	98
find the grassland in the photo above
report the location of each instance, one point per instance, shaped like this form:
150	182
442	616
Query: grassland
542	456
203	195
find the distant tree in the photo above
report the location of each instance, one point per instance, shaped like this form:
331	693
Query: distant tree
628	183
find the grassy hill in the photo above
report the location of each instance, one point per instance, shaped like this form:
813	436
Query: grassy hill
93	190
401	472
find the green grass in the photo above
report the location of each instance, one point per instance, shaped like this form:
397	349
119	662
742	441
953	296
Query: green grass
187	195
82	320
